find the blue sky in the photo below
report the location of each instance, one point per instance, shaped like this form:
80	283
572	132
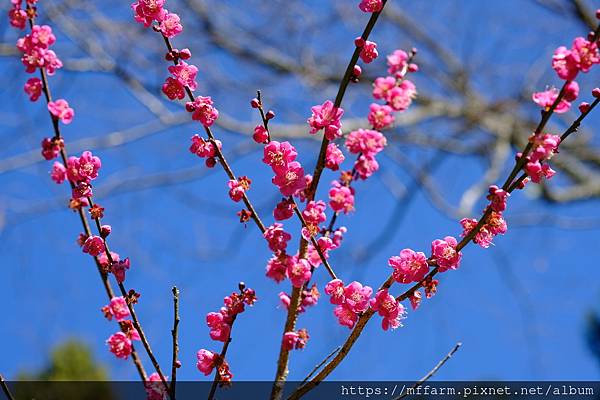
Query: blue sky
519	307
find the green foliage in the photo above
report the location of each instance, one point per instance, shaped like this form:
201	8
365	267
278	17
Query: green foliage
72	373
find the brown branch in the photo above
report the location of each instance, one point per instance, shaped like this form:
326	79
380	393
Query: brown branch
175	362
435	369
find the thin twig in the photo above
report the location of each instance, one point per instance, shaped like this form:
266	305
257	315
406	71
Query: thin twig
433	371
175	361
5	388
319	365
144	340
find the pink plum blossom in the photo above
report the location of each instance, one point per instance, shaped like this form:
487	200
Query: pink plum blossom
120	345
368	52
334	157
389	308
94	245
299	272
60	109
291	180
277	238
58	172
328	117
206	361
410	266
445	254
371	6
341	198
171	26
203	110
33	88
380	116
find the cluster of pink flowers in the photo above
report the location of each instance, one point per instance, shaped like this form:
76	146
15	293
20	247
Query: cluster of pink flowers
205	149
208	360
547	98
220	329
234	304
326	117
368	50
341	198
494	225
544	146
120	343
35	47
389	308
17	16
366	144
351	300
581	57
289	174
149	11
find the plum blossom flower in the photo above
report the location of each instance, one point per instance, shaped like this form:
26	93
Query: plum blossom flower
497	198
397	62
365	141
380	116
284	210
206	361
368	52
537	172
148	11
219	327
84	168
60	109
277	268
17	18
203	148
185	75
445	254
334	157
93	245
237	188
401	96
261	135
547	98
345	315
291	180
586	53
171	26
118	308
173	89
33	88
295	340
155	389
327	117
120	345
389	308
58	172
357	296
279	155
277	238
410	266
565	63
119	268
366	166
341	198
203	110
51	147
371	6
299	272
335	290
382	87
